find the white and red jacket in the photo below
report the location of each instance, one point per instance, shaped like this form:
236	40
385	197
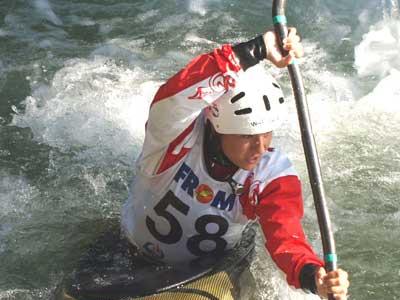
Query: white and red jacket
176	211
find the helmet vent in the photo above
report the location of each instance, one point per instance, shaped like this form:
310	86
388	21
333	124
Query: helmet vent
281	100
276	85
243	111
266	102
237	97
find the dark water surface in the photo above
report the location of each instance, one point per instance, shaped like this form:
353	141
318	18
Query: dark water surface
76	78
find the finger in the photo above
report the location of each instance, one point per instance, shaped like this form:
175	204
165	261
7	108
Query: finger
337	286
296	49
340	297
340	280
338	274
284	62
292	31
295	45
294	34
292	40
299	52
342	274
287	60
337	289
320	275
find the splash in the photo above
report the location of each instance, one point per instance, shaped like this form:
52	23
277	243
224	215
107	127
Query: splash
90	104
271	282
378	56
379	51
385	96
15	195
390	9
197	6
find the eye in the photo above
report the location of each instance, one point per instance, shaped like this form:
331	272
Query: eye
267	135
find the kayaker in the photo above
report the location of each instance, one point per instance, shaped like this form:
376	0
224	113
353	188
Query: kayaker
206	168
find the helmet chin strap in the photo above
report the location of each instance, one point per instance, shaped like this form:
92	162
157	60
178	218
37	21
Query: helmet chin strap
218	165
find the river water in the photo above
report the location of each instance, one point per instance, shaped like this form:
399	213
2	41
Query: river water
76	79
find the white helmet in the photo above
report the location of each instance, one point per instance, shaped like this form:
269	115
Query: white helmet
253	106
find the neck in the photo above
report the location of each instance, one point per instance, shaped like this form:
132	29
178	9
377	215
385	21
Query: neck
218	164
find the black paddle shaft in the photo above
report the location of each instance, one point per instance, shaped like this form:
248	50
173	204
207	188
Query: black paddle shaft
310	150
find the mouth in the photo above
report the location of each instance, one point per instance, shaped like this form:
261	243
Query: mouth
253	159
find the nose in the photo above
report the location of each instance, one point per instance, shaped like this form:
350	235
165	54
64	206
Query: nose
260	143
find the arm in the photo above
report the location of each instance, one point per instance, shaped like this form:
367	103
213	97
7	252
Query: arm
174	112
179	102
280	212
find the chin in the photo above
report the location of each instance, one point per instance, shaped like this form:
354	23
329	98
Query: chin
247	166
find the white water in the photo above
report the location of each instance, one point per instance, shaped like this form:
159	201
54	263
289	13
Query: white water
91	114
91	103
100	107
16	203
379	51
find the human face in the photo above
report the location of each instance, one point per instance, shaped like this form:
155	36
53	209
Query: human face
245	151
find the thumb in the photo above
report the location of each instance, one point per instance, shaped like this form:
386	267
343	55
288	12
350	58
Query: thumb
288	59
284	61
320	275
322	289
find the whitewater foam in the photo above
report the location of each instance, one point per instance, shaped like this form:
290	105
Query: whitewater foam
91	103
379	51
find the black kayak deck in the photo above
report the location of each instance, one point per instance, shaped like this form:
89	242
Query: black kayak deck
110	271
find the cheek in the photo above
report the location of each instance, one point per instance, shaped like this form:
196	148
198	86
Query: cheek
268	143
267	140
234	149
227	147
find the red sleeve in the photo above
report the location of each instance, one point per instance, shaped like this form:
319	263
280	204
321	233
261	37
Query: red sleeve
170	128
200	68
280	212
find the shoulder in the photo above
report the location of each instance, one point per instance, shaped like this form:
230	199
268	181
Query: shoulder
274	164
154	161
